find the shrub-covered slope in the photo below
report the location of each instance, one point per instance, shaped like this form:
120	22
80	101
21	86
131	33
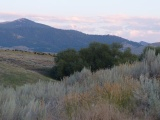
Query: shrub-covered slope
125	92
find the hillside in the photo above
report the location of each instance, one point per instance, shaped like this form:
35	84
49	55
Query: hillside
18	68
125	92
29	35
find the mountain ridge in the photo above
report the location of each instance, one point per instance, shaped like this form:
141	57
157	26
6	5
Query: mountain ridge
44	38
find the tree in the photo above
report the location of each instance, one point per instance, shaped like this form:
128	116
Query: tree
97	56
116	53
157	50
67	62
127	56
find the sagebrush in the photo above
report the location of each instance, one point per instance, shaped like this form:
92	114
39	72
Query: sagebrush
126	92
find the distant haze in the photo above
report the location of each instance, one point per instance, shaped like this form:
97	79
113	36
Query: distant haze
137	20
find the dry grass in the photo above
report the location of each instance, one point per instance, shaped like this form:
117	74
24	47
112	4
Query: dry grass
101	112
18	68
94	104
26	59
88	107
119	93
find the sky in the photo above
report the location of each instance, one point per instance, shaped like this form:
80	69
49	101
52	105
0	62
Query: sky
136	20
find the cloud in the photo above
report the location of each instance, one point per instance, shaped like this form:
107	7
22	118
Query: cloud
135	28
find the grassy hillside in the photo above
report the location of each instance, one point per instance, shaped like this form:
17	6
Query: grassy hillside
125	92
18	68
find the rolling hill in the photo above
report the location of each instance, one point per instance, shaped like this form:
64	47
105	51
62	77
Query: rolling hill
18	67
29	35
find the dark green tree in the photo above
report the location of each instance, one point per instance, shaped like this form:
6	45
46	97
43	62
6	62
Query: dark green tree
157	50
97	56
116	53
127	56
67	62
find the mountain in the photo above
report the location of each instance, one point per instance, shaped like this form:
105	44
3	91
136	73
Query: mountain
139	50
157	44
143	43
24	33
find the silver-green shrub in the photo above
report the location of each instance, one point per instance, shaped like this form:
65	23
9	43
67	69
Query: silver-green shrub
45	100
148	96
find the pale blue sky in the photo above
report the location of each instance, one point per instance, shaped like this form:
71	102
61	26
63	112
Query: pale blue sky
132	19
82	7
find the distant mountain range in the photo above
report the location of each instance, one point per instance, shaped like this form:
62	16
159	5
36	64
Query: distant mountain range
29	35
143	43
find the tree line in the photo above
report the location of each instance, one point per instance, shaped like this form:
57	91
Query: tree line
96	56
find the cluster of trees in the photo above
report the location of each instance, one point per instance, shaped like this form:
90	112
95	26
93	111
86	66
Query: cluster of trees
96	56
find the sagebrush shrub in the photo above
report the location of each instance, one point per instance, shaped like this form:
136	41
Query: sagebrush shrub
128	87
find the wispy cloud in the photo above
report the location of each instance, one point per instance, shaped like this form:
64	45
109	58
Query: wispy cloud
135	28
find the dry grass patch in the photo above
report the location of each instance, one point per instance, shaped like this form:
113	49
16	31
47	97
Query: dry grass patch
119	94
102	112
19	68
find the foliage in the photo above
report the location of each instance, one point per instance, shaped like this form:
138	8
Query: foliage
67	62
104	94
146	49
127	56
96	56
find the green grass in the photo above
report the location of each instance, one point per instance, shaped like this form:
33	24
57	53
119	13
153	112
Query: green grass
19	68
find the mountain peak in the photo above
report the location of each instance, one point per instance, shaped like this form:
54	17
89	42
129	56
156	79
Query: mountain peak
143	43
23	20
40	37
